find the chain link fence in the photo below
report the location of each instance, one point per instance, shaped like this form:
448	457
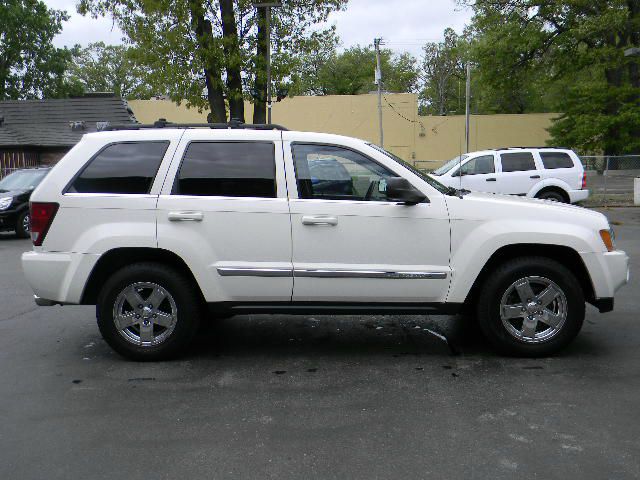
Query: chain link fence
610	179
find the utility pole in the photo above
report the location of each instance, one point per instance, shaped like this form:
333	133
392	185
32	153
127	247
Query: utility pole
267	6
467	106
377	42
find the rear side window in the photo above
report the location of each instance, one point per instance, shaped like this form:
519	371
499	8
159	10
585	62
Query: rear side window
552	160
228	169
121	168
517	161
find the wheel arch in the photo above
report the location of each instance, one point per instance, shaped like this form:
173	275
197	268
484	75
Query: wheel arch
117	258
564	255
556	189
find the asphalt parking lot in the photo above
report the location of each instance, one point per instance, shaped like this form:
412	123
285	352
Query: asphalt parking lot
317	397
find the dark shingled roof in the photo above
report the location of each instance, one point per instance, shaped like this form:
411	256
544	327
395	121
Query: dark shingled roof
46	123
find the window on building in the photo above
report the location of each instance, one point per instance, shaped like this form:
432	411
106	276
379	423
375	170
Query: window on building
228	169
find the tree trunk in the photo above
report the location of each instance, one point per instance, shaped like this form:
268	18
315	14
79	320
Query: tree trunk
233	60
260	96
213	81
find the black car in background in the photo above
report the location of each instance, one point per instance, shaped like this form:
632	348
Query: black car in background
15	191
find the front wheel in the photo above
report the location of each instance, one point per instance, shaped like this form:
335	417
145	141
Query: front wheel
23	229
148	312
531	307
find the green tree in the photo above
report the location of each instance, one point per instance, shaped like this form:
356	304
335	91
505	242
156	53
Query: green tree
442	72
566	56
110	68
30	66
352	72
215	46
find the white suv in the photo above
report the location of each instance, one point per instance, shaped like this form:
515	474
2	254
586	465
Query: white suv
546	173
154	224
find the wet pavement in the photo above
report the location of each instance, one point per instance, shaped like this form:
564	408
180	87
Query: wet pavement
317	396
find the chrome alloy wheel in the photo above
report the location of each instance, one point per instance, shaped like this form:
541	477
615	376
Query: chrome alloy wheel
26	224
145	314
533	309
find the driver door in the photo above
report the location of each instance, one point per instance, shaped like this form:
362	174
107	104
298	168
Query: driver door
350	243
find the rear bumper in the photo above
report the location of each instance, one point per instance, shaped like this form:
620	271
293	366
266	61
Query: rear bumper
578	195
57	277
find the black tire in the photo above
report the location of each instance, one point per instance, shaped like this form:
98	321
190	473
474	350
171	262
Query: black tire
496	286
553	196
21	231
188	311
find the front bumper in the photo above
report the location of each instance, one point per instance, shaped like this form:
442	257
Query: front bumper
609	271
57	277
8	219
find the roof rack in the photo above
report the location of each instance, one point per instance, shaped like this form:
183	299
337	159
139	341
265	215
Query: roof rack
163	123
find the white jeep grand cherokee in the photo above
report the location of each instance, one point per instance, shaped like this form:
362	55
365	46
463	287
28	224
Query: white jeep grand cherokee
152	225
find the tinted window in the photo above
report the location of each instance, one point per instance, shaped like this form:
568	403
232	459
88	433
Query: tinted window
552	160
228	169
517	162
479	166
336	173
121	168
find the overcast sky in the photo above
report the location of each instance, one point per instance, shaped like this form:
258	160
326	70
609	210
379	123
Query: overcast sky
404	24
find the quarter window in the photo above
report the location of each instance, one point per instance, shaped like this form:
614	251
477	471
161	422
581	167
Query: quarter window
121	168
553	160
228	169
517	161
336	173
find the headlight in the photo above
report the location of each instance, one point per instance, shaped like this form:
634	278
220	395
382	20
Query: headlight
609	239
5	202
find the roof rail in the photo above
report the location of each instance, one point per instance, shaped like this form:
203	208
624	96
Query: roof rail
163	123
520	148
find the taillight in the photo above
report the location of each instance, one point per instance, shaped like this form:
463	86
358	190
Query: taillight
584	180
41	216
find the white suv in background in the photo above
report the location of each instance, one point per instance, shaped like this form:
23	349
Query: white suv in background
152	225
547	173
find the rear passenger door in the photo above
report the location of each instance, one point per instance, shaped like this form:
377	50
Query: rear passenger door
224	210
519	173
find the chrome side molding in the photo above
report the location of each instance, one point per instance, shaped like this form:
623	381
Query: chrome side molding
327	273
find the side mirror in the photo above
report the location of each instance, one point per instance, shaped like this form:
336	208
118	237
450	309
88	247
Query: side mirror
400	190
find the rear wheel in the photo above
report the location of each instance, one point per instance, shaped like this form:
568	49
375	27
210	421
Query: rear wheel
553	196
23	229
148	312
531	306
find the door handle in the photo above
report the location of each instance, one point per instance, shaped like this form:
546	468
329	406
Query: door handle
491	179
319	220
534	176
185	216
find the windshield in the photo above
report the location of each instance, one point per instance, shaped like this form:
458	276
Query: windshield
431	181
22	180
449	165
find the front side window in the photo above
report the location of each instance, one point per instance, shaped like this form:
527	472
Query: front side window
517	161
121	168
553	160
478	166
335	173
228	169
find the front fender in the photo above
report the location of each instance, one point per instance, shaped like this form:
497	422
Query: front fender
474	242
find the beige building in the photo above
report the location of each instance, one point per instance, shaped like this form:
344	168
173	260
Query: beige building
426	141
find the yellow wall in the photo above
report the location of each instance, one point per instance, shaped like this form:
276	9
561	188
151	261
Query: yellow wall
425	141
